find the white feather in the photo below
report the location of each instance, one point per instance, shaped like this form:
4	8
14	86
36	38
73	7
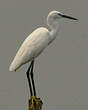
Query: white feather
33	45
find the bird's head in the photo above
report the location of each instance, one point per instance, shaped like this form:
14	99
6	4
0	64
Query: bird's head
54	16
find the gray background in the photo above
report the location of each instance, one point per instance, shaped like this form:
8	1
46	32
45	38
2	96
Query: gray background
61	72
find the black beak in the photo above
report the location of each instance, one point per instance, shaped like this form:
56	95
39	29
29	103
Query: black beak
65	16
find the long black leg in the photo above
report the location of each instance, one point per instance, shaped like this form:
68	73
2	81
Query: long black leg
32	78
29	82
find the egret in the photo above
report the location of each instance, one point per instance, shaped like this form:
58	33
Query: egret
35	43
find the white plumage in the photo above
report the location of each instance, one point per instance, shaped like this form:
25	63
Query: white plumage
31	47
37	41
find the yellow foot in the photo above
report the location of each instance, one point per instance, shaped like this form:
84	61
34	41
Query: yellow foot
35	103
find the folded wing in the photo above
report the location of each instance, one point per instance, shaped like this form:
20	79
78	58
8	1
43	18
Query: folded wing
33	45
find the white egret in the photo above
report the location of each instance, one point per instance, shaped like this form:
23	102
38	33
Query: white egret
36	42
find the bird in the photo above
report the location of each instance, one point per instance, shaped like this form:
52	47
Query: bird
37	41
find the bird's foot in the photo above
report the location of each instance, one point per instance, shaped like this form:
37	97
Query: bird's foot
35	103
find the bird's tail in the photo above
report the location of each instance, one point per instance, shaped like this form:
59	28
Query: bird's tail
14	65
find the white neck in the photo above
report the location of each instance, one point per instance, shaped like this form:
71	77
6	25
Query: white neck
53	33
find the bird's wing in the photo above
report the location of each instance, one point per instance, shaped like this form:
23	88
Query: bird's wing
31	47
